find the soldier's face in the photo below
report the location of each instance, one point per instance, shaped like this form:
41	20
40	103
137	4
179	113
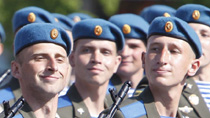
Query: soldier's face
203	32
42	69
94	61
131	57
168	60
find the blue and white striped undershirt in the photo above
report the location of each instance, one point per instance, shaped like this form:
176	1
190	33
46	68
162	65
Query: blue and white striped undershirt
204	88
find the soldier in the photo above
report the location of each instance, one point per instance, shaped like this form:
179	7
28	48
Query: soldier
134	29
23	17
195	98
67	24
151	12
41	66
173	49
94	58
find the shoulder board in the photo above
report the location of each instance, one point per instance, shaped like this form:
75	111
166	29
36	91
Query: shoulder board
133	110
6	94
64	101
18	116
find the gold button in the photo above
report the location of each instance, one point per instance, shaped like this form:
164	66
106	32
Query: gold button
98	30
76	19
126	29
168	26
196	15
166	15
31	17
54	33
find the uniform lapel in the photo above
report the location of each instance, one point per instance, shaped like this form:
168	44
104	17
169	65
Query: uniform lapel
80	109
192	94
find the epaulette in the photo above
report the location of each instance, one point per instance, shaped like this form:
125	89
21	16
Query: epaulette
64	101
6	94
133	110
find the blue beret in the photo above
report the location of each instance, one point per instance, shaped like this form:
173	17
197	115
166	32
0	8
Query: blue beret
64	21
2	34
78	16
29	15
177	28
98	29
151	12
41	33
194	13
132	26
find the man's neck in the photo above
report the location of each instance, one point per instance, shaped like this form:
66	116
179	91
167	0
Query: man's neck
135	78
203	74
42	108
93	96
167	100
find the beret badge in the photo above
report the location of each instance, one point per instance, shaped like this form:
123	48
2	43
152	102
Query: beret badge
54	33
76	19
166	14
168	26
31	17
196	15
126	29
98	30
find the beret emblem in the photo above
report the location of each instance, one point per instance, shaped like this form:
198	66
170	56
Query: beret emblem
196	15
54	33
126	29
31	17
76	19
98	30
168	26
166	14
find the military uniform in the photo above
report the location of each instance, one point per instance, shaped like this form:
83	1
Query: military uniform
72	106
142	106
141	86
191	102
10	92
25	112
115	82
192	108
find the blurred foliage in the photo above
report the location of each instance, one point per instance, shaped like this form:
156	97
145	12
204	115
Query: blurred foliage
9	7
101	8
109	7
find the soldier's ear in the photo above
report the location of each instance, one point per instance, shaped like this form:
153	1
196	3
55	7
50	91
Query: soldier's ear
143	59
71	59
194	67
117	63
15	69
